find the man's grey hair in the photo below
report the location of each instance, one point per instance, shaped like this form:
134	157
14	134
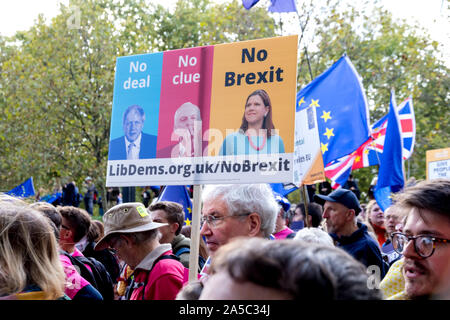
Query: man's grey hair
314	235
181	108
247	198
136	108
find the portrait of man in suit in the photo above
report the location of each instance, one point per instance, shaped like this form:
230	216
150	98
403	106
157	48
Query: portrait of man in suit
135	144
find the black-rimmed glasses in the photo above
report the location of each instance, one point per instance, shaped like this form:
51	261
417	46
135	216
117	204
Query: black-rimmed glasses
423	244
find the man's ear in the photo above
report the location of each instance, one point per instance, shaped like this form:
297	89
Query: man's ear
174	227
351	213
126	239
254	224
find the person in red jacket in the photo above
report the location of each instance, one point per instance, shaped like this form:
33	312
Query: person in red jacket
129	229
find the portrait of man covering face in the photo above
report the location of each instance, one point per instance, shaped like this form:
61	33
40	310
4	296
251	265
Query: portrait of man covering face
187	129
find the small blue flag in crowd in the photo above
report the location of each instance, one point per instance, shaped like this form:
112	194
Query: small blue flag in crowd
341	108
283	188
369	153
26	189
282	201
178	194
390	174
52	198
275	5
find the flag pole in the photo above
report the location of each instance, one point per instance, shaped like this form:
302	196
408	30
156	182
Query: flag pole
306	201
195	234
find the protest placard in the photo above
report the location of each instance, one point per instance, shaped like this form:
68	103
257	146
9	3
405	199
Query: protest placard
438	164
181	117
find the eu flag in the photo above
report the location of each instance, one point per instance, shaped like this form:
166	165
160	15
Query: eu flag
369	153
341	107
275	5
26	189
390	174
178	194
249	3
282	6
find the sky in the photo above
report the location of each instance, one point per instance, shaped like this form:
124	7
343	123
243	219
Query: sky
434	15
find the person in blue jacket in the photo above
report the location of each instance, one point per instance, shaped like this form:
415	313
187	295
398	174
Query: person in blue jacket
341	208
135	144
257	134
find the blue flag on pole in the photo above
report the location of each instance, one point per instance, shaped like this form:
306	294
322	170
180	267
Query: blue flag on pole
275	5
369	153
282	6
390	174
249	3
341	107
26	189
283	188
178	194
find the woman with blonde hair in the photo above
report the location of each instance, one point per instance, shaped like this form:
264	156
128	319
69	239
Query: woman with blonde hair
30	268
375	219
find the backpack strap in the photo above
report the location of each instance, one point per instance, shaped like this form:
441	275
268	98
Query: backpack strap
182	250
135	285
162	257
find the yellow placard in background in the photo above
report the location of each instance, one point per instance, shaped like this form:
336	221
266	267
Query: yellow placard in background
438	163
243	67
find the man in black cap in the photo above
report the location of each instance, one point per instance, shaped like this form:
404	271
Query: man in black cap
341	208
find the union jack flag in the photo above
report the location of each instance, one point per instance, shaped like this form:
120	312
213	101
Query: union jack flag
368	154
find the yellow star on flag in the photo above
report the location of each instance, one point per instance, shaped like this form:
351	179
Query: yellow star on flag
324	147
326	116
187	221
366	151
357	159
302	100
329	133
314	103
189	209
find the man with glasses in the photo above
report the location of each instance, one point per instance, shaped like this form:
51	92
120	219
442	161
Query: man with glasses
231	211
425	240
393	217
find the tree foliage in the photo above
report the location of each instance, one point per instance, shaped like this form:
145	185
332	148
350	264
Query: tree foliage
57	78
56	82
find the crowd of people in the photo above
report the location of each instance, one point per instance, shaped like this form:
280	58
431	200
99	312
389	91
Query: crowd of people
254	245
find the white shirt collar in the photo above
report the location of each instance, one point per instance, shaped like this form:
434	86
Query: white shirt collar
137	144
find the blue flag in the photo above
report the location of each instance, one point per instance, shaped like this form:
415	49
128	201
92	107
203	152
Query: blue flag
51	198
178	194
282	6
390	174
341	108
249	3
283	188
282	201
26	189
275	5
